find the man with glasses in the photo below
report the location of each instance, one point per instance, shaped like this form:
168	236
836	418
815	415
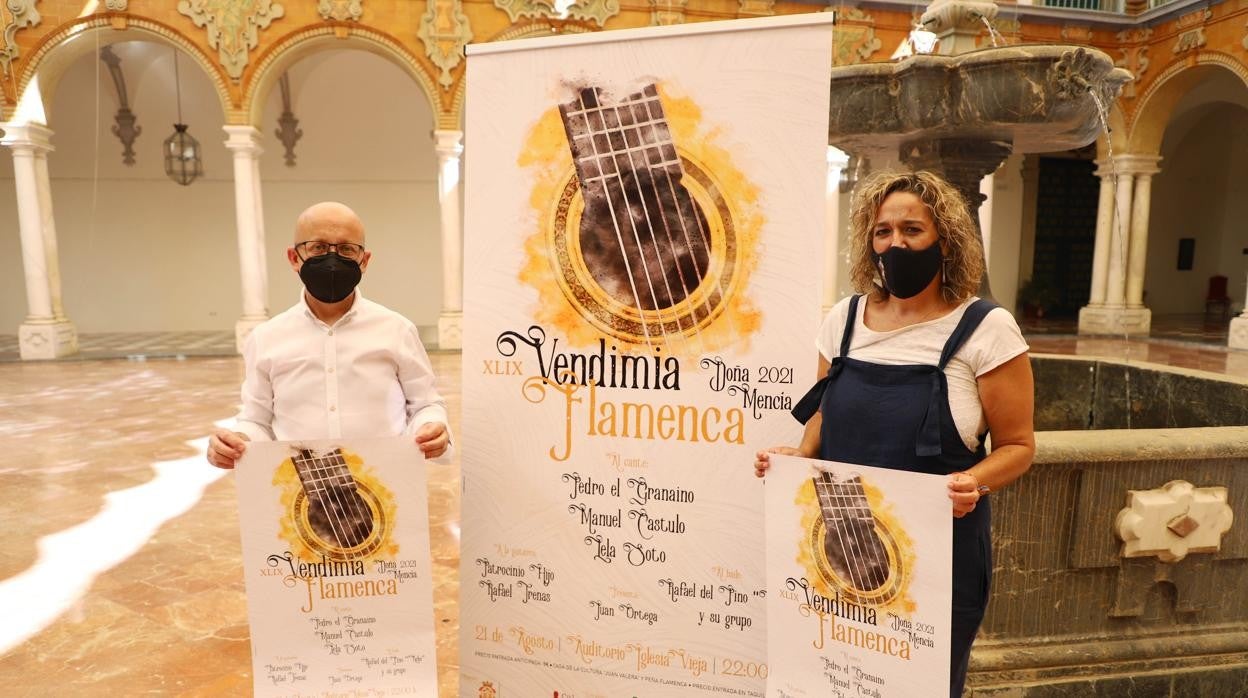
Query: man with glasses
335	364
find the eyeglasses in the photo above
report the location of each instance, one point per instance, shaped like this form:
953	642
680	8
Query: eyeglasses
317	248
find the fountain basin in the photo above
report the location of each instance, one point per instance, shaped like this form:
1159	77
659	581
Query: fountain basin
1035	98
1071	614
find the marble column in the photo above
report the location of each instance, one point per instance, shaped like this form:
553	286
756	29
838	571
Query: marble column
46	333
450	147
838	160
1144	167
244	142
1111	308
1116	284
1104	223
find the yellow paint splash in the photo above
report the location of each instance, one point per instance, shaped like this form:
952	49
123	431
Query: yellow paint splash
547	158
888	526
286	480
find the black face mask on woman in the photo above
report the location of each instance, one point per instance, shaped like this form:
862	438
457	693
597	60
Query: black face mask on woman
330	277
907	272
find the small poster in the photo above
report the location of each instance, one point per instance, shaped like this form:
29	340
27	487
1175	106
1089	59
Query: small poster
859	584
336	564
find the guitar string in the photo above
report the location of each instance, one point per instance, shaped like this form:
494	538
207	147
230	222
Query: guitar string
845	554
316	490
851	532
359	508
619	236
650	144
871	547
645	209
337	480
849	505
846	542
659	136
334	495
650	100
697	215
614	154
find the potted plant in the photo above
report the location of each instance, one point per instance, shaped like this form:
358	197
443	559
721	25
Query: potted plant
1036	296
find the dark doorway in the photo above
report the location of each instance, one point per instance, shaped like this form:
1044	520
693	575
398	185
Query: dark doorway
1065	232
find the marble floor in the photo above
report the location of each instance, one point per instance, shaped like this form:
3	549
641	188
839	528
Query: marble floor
121	571
121	574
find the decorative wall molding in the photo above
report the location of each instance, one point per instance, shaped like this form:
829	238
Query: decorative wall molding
1189	40
855	42
1077	33
1173	520
597	11
340	10
125	129
444	31
233	27
666	12
288	131
1191	19
1134	56
756	8
24	15
116	5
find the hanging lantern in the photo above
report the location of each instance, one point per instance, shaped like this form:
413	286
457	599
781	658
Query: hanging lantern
182	160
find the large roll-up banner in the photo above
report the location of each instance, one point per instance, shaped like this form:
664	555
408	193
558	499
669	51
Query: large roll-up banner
643	244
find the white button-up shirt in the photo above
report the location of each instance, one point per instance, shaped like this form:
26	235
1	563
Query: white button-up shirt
365	376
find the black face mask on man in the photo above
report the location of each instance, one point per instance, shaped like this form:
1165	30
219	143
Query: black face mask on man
331	277
907	272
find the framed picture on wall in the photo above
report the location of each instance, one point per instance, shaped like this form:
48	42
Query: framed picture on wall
1187	253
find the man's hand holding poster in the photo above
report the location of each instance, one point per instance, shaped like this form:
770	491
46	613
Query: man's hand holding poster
858	580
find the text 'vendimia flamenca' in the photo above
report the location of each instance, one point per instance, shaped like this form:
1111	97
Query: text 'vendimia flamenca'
638	420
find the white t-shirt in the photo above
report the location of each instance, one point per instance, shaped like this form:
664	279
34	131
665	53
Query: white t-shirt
995	341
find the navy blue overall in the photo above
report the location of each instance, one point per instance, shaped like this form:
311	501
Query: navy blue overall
898	417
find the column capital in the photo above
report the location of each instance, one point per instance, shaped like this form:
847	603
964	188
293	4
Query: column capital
448	143
29	135
243	139
1135	164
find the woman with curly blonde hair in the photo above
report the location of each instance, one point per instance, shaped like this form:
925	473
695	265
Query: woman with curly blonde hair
917	371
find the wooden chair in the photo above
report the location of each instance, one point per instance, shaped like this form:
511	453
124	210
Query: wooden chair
1216	298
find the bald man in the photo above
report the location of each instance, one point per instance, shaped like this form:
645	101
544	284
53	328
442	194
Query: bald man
335	365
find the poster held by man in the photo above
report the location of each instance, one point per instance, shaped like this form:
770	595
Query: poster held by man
336	564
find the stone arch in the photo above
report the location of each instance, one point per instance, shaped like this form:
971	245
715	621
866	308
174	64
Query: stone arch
56	52
291	49
1117	139
541	27
1157	104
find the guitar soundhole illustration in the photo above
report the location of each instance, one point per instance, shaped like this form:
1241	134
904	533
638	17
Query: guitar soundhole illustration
334	514
647	249
854	545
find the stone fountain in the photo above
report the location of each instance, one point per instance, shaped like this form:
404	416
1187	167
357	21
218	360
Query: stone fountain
1079	608
961	111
